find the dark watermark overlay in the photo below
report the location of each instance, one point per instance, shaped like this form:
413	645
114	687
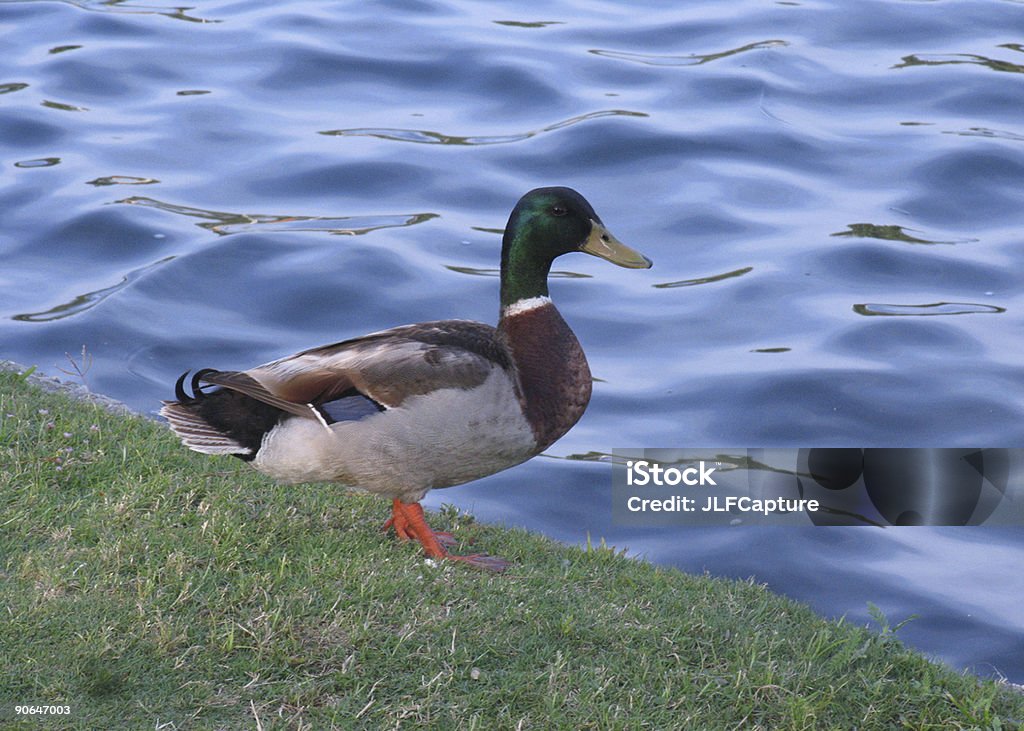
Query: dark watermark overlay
817	486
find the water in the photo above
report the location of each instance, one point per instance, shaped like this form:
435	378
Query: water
831	194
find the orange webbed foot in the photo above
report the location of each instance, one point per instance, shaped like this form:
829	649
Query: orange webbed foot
482	561
410	524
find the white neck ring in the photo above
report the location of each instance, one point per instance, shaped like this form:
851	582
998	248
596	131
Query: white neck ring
525	305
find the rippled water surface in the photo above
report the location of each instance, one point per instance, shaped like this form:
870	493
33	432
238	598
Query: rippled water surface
831	193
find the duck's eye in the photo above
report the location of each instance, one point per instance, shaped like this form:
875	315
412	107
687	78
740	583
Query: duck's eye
559	210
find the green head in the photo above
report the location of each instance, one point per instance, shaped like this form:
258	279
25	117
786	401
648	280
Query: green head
546	223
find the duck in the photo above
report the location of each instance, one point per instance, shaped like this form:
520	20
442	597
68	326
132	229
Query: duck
419	407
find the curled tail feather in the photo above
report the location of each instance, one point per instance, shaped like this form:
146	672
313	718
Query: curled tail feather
207	423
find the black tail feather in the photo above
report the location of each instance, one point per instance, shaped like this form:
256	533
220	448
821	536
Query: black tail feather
197	387
230	417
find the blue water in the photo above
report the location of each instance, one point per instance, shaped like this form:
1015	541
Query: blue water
832	194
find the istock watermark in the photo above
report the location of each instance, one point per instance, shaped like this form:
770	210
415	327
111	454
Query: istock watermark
818	486
643	472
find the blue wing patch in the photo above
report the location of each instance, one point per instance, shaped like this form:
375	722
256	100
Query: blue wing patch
349	408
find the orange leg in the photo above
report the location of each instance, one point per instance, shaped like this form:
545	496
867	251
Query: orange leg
409	523
403	529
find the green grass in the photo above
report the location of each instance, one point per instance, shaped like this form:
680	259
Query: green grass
151	588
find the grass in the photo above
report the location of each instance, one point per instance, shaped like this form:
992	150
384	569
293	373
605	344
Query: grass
147	587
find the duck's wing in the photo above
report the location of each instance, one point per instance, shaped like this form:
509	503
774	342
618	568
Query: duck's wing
386	367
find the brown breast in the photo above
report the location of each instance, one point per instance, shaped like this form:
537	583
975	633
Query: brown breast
552	368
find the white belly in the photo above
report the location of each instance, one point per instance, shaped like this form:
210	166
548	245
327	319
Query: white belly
439	439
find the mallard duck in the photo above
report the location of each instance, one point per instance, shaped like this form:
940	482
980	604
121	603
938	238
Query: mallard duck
403	411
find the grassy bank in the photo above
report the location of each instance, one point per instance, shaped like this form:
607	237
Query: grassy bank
150	588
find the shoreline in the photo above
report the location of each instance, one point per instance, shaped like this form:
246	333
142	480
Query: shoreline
78	391
171	582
